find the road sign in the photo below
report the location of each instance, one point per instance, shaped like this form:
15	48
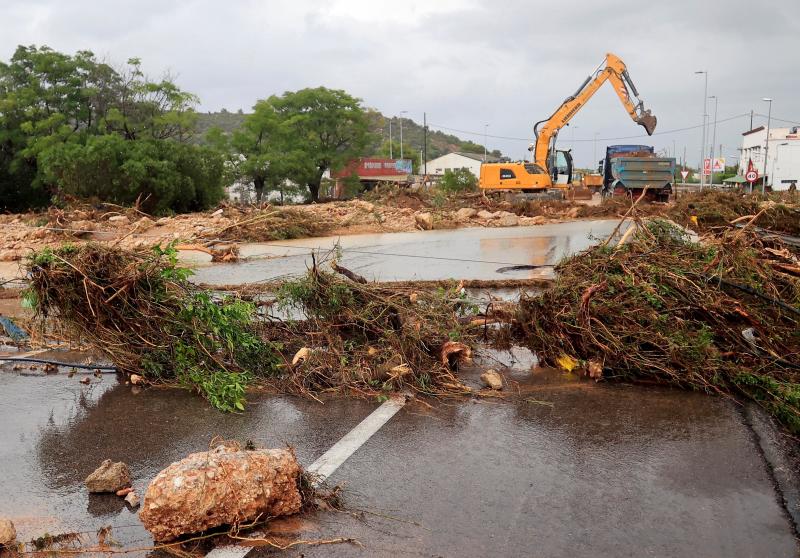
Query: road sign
684	174
718	163
751	176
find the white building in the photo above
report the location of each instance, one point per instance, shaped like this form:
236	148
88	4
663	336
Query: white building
783	156
458	160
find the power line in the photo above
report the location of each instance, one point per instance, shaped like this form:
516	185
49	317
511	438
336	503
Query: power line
778	119
685	129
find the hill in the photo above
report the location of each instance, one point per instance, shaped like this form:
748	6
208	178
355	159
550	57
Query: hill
439	143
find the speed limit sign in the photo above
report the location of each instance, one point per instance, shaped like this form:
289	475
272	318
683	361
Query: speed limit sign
751	176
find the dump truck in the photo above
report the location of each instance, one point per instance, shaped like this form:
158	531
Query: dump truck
630	170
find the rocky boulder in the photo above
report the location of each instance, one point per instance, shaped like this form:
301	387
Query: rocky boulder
109	477
119	220
483	214
466	213
221	487
492	379
508	220
424	221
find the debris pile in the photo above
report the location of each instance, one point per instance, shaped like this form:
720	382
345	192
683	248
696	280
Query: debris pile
224	486
372	338
711	316
709	210
140	310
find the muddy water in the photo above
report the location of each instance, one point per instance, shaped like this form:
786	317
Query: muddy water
475	253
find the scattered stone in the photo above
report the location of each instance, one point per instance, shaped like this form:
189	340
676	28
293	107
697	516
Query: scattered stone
492	379
466	213
132	499
119	220
538	220
573	212
162	221
144	224
136	379
483	214
109	477
8	534
223	486
424	220
367	206
218	213
301	355
124	492
86	380
82	228
39	233
509	220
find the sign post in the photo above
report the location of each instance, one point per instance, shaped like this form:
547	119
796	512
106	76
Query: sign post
751	175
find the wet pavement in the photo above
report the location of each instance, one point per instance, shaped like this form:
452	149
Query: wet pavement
475	253
562	468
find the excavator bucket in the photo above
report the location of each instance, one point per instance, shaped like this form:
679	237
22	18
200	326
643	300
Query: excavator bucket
648	121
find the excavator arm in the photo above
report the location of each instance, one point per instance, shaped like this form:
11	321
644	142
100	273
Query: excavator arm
613	72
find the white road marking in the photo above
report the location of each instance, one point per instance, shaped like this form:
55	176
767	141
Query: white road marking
332	459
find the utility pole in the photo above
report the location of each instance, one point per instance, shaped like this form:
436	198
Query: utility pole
751	119
705	106
766	146
402	112
425	144
390	139
595	148
713	138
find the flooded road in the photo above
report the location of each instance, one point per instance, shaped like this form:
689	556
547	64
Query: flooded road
475	253
564	468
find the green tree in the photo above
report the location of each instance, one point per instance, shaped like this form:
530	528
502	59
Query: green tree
458	180
320	129
55	106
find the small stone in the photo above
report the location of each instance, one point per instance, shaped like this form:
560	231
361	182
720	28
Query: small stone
119	220
537	220
124	492
136	379
483	214
162	221
595	369
109	477
144	224
39	233
81	228
218	213
367	206
86	380
132	499
424	220
492	379
509	220
466	213
573	213
8	534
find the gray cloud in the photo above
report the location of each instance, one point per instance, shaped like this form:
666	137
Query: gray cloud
466	63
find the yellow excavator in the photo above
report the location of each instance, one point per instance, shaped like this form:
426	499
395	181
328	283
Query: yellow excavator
552	168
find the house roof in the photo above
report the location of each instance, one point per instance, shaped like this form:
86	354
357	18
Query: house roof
478	156
753	131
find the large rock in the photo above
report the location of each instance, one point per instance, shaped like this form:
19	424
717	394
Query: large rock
8	534
509	220
483	214
144	224
119	220
109	477
466	213
80	228
424	220
221	487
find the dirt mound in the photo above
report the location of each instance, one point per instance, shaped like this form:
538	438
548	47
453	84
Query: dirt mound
711	316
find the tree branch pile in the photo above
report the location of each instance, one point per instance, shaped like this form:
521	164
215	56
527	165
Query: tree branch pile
714	316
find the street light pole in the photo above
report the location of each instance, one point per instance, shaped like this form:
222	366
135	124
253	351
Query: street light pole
705	105
713	138
766	145
595	148
402	112
485	129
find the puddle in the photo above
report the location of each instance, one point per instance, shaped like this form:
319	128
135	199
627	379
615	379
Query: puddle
475	253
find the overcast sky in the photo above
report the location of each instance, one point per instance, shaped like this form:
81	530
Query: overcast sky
465	62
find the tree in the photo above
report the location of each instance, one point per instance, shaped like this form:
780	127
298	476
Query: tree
55	106
320	129
458	180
